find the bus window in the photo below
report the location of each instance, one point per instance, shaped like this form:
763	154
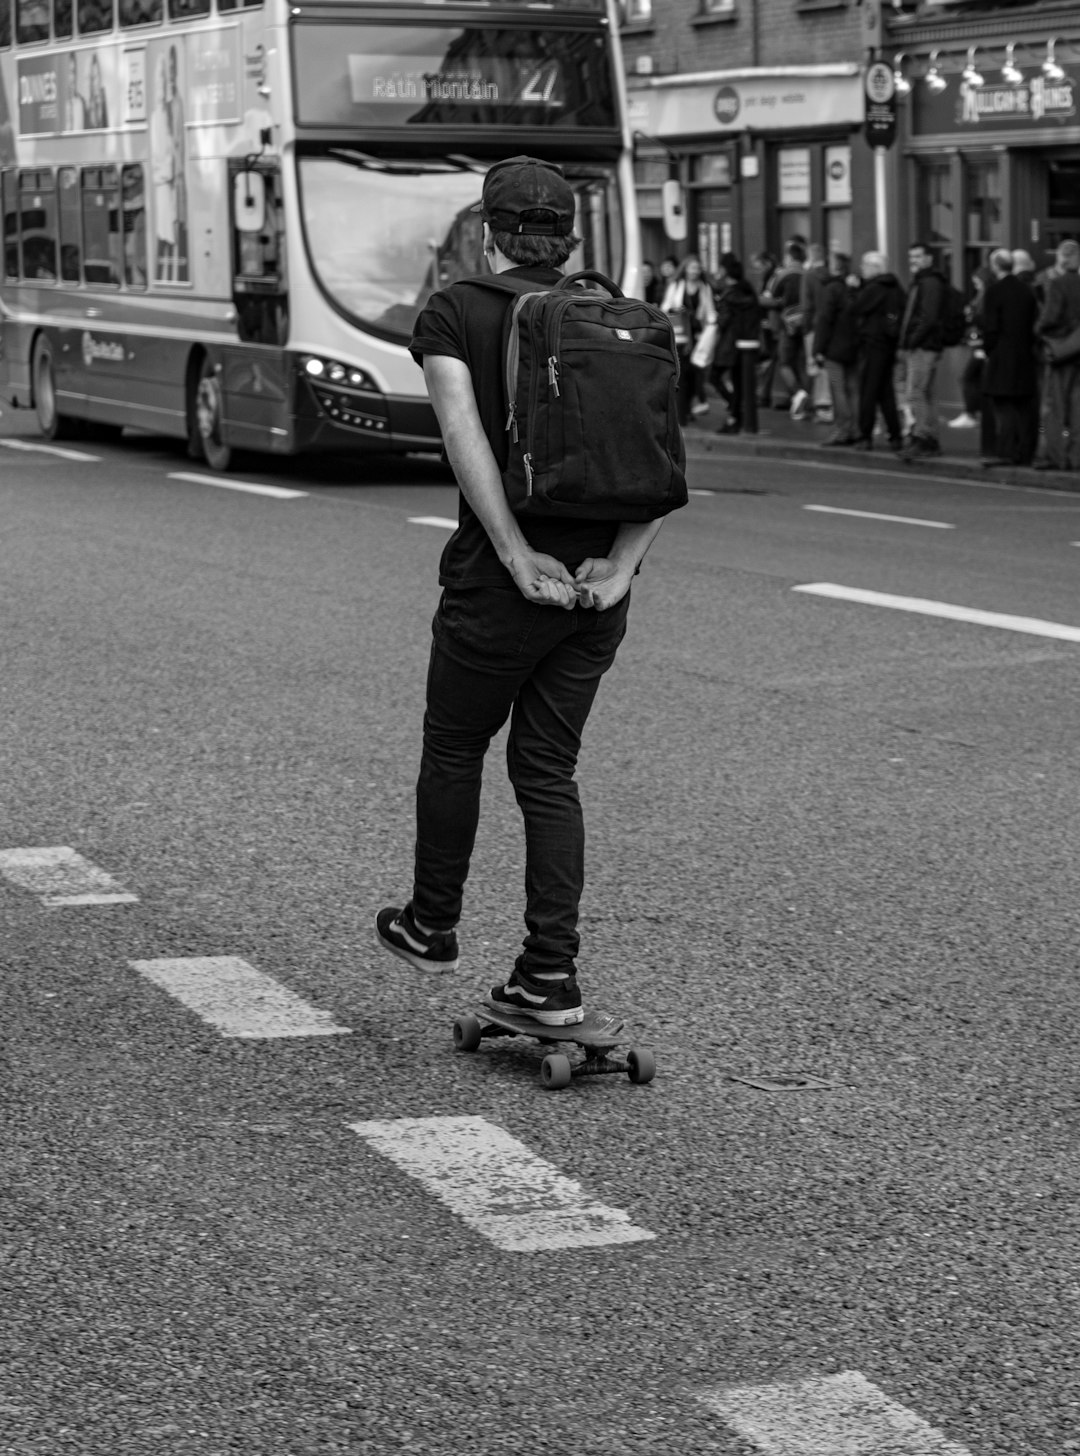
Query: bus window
37	225
235	4
5	22
141	12
134	196
31	20
185	9
101	226
67	180
62	19
94	16
11	227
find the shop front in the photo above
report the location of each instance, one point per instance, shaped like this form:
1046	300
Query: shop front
992	154
760	156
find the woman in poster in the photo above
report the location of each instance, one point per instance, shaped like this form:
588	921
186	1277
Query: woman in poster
162	176
97	111
178	135
75	109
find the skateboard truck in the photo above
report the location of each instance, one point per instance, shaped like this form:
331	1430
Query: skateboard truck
597	1035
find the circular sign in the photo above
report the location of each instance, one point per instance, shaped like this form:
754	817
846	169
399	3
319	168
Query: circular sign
880	83
726	105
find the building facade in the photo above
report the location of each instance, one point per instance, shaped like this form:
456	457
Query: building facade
989	149
756	108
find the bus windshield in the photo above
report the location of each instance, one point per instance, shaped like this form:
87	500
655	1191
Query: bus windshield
382	237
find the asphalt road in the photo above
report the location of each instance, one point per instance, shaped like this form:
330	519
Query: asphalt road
826	837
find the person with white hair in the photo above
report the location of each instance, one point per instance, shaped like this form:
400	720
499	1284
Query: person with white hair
1010	379
879	312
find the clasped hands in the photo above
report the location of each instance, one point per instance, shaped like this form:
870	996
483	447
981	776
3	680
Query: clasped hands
598	582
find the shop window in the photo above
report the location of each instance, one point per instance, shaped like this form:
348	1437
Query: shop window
837	199
934	189
31	21
134	208
651	171
102	250
717	8
95	16
793	193
37	225
637	12
984	227
141	12
67	182
63	19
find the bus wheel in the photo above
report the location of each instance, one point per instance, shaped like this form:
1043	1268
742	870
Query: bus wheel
53	425
208	419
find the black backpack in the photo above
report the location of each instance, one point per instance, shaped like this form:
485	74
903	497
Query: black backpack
954	321
591	381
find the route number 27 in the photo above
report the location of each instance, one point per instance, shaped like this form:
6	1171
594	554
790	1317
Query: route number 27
540	86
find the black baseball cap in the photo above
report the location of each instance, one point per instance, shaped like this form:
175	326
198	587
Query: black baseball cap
525	195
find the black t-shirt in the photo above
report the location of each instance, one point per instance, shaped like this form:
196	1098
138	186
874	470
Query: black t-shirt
464	322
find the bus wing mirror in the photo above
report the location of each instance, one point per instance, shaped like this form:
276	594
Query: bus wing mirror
249	201
674	202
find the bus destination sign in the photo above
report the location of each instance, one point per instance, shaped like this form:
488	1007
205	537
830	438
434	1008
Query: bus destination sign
382	76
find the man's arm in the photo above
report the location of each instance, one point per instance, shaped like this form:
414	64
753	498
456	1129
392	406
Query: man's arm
539	578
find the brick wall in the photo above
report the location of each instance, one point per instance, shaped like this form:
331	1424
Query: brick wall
681	38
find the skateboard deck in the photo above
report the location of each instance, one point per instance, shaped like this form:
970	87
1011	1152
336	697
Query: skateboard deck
598	1034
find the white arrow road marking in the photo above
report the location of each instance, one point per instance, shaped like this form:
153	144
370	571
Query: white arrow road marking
836	1415
1032	625
279	492
443	521
876	516
35	448
497	1186
59	877
237	999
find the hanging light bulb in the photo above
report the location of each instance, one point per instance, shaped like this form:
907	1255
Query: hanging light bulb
900	81
972	75
1050	68
935	81
1011	73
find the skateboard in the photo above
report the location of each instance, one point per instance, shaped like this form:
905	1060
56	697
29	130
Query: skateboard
597	1035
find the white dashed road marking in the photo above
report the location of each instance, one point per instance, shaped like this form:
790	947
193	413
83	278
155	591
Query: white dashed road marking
1034	626
279	492
497	1186
877	516
842	1415
443	521
60	877
33	447
237	999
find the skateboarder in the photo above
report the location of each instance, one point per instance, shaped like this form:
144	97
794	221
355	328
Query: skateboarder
531	615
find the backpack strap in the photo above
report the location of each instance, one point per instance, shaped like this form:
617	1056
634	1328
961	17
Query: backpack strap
519	289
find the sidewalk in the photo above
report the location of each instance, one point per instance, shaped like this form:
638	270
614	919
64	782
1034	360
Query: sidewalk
780	437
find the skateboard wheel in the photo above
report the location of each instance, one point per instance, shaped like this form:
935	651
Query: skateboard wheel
555	1071
467	1034
641	1065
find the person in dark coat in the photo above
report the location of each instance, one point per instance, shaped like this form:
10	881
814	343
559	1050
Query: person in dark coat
879	310
1059	316
1010	377
836	349
738	317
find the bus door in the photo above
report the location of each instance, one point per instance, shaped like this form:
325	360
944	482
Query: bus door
256	383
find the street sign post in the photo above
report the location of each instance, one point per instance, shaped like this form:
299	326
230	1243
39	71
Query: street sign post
879	125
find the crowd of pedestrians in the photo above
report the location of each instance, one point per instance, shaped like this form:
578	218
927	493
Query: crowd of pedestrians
859	349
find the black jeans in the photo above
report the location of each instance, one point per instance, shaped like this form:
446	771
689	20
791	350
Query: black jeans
876	391
495	656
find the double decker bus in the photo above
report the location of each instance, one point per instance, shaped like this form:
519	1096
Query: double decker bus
221	217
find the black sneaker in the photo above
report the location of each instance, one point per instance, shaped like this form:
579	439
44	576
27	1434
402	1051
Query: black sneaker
396	930
552	1003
